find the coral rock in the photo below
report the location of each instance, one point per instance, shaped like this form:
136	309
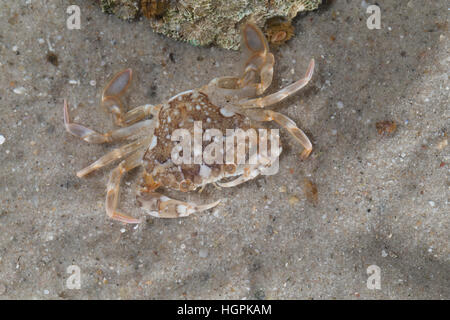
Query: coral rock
206	22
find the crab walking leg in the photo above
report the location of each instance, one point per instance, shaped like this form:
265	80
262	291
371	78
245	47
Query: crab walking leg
112	92
112	156
249	174
117	86
160	206
92	136
111	101
242	88
254	40
266	74
114	106
259	65
113	186
282	94
260	61
285	122
140	113
262	66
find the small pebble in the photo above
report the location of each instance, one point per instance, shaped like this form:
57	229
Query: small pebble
432	203
386	128
203	253
293	200
340	104
92	83
123	230
2	139
442	144
19	90
384	254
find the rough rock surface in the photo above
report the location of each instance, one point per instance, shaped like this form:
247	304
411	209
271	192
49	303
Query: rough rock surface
204	22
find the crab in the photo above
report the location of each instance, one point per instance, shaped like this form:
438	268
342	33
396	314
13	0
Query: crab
223	103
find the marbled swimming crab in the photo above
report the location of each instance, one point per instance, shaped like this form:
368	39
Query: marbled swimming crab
224	103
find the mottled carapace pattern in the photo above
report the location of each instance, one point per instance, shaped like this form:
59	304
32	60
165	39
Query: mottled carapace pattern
181	112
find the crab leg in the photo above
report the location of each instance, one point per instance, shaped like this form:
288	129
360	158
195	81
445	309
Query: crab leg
111	101
92	136
249	173
259	65
112	92
113	186
111	156
260	61
285	122
140	113
160	206
112	105
117	86
282	94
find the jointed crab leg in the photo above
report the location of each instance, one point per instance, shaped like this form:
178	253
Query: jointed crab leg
254	40
112	105
118	84
112	156
258	67
249	173
113	186
260	62
92	136
140	113
115	88
252	171
282	94
161	206
111	101
285	122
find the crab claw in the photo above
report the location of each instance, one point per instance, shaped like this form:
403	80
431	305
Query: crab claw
160	206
